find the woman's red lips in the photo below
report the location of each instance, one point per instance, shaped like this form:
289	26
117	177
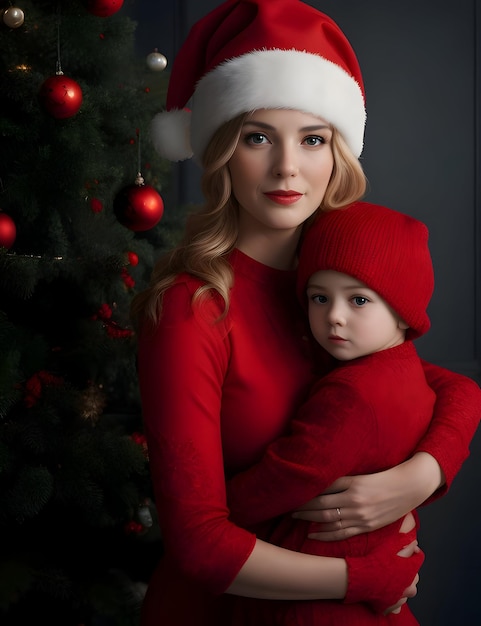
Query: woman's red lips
283	197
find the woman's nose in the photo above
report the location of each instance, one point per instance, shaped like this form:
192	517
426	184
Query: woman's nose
285	163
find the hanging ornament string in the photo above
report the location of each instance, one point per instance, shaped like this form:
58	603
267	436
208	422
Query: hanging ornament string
58	70
139	180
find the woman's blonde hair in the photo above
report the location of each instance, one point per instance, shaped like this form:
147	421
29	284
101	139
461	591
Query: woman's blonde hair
211	233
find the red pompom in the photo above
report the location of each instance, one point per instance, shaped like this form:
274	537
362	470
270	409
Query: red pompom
138	207
60	96
103	8
8	231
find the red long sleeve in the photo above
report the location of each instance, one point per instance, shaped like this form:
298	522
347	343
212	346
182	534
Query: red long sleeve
208	404
181	371
456	417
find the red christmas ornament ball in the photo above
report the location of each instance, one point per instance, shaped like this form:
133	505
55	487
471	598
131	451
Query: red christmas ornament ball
138	207
60	96
103	8
8	231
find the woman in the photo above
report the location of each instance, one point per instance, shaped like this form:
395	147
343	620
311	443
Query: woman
223	359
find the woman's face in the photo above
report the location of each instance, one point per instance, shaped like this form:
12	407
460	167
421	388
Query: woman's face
280	169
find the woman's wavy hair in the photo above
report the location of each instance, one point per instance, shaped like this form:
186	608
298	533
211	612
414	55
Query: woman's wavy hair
211	232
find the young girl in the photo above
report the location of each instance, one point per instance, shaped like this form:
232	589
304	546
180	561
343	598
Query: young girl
223	357
365	277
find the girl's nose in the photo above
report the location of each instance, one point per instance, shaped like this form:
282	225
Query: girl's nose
336	315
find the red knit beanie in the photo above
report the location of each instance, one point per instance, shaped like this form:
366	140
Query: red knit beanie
385	249
254	54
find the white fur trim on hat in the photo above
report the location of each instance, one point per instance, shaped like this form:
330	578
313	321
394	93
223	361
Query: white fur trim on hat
289	79
170	132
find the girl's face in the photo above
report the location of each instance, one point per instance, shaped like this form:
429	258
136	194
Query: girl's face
348	319
280	170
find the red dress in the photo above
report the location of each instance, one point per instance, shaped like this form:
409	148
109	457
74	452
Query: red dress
365	416
213	397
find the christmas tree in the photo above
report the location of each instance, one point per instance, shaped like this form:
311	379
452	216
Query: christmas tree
81	222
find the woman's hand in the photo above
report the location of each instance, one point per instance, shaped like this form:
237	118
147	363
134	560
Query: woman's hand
359	504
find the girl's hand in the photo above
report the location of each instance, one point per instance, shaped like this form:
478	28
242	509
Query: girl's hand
359	504
367	579
409	592
412	590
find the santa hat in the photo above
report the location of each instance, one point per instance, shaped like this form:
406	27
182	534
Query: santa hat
252	54
384	249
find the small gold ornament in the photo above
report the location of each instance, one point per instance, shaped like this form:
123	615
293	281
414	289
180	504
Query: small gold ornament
13	17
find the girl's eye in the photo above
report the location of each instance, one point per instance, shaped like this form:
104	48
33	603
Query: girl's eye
360	300
256	138
314	140
319	299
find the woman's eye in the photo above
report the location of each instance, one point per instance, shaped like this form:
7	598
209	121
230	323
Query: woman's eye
256	138
314	140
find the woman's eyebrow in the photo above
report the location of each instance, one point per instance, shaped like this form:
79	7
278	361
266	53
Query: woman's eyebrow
269	127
